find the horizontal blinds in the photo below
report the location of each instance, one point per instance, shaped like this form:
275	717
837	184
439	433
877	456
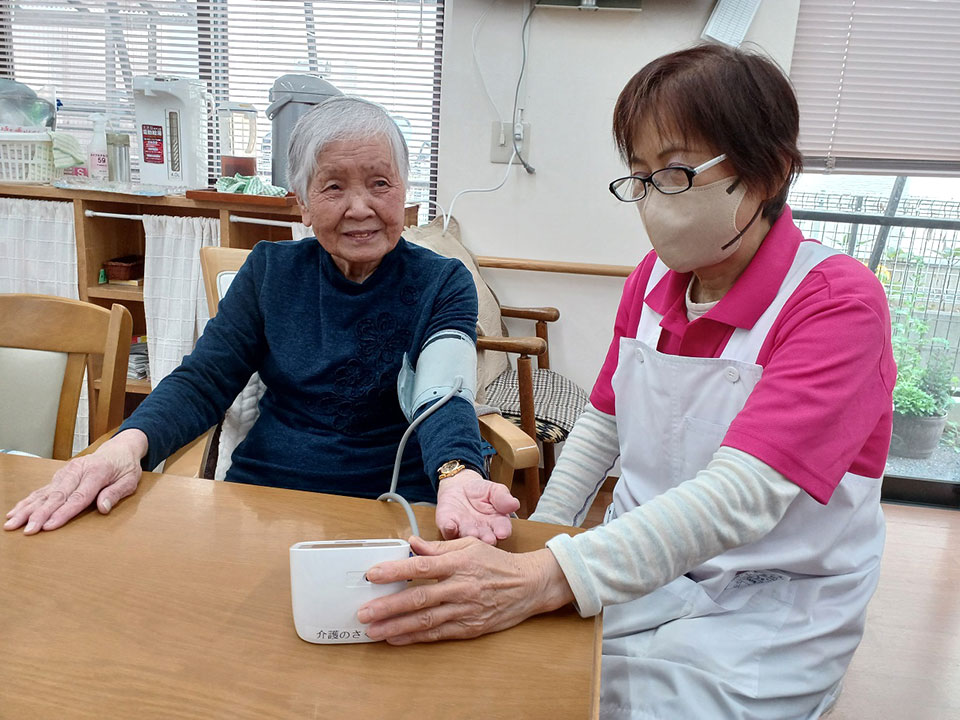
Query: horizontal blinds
89	51
878	83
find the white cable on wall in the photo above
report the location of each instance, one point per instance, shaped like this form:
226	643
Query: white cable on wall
447	216
516	150
476	62
517	122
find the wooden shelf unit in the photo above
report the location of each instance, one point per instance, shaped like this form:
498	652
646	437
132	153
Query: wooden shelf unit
100	239
115	292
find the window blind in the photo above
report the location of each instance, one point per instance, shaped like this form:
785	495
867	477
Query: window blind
879	85
387	51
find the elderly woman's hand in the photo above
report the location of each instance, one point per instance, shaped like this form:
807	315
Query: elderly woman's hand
469	506
481	589
107	476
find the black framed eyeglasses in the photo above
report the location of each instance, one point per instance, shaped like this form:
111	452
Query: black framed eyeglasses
669	180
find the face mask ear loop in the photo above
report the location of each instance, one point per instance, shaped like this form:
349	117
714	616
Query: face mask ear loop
740	234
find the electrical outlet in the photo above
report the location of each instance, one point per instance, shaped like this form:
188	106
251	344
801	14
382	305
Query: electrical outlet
500	153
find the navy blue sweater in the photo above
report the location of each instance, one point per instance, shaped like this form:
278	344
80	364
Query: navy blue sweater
329	351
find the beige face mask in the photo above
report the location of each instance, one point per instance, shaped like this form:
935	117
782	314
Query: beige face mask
697	228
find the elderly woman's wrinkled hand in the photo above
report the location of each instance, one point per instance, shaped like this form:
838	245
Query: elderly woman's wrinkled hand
469	506
481	590
107	476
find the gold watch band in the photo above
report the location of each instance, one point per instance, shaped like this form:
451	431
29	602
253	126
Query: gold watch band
449	469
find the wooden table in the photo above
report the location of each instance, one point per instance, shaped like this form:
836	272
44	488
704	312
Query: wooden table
177	605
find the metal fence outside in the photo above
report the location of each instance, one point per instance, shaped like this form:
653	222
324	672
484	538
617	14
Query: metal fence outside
918	266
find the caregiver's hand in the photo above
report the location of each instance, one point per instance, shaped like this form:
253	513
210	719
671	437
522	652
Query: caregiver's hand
107	476
469	506
481	589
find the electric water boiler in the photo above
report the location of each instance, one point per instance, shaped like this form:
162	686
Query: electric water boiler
171	116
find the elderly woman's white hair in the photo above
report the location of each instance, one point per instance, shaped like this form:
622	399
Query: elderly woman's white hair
343	117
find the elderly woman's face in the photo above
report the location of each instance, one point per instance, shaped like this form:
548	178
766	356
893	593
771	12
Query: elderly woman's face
355	203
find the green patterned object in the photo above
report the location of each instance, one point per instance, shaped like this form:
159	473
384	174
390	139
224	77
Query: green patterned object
249	185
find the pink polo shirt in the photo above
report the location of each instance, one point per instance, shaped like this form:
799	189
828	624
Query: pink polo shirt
823	406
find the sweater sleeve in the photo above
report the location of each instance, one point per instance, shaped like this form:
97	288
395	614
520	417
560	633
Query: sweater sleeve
589	452
735	500
195	395
452	432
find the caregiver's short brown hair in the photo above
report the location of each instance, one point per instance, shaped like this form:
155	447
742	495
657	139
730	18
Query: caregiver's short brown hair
738	103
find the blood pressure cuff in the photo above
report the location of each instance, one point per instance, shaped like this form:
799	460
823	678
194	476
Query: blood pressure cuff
444	357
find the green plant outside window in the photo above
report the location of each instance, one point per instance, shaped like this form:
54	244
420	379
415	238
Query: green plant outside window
924	376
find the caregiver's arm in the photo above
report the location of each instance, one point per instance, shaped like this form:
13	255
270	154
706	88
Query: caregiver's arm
735	500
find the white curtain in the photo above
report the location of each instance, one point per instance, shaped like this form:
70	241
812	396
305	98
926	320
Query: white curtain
38	249
38	254
174	302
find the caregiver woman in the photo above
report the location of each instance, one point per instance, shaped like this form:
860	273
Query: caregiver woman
747	392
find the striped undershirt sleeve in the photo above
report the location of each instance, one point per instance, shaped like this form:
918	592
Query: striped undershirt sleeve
735	500
589	453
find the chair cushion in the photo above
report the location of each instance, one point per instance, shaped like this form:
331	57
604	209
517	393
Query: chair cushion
224	278
30	385
557	402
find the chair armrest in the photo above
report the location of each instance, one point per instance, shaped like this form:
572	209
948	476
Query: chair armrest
190	460
520	345
92	447
546	314
512	444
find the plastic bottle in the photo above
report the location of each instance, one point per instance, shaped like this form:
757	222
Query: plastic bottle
97	155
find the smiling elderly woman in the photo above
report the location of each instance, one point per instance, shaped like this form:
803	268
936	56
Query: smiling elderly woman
326	322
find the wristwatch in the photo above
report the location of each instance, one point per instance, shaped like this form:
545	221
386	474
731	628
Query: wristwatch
449	469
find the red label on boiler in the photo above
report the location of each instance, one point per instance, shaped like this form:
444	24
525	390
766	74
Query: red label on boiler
152	143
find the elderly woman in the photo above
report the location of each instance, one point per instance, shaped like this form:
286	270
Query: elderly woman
327	323
747	392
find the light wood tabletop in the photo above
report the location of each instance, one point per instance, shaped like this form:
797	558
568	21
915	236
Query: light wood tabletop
177	605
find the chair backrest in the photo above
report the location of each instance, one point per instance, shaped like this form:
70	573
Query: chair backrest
45	345
219	266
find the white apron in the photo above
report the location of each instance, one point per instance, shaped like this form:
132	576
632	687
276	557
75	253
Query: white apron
765	630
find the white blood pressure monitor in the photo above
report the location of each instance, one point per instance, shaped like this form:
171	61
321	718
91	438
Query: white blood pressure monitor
328	586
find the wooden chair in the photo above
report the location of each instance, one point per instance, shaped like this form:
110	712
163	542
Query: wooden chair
515	449
45	345
542	402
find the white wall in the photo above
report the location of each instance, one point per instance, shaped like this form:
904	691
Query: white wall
577	63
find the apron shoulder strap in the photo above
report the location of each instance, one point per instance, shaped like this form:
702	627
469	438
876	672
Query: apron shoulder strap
745	343
648	330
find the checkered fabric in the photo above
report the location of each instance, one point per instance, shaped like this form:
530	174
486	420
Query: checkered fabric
557	402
